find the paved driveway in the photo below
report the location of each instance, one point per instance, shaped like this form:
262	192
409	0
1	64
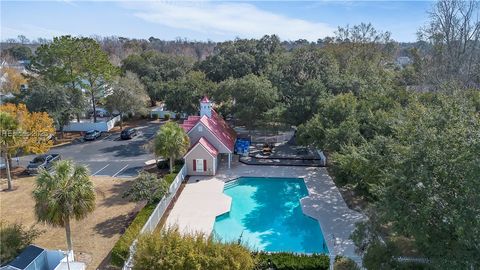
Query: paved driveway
109	156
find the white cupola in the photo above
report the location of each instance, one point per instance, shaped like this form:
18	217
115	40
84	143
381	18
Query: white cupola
206	107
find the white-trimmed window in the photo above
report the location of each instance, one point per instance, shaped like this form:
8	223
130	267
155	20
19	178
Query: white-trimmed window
200	165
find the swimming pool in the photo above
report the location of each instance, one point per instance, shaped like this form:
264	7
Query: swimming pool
266	215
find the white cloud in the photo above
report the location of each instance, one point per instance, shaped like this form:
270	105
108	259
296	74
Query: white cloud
227	19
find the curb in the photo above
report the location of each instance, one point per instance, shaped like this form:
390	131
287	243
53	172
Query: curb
61	144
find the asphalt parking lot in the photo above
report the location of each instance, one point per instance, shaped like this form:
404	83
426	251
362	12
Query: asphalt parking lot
108	155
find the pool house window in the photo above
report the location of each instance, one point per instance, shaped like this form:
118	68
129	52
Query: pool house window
199	165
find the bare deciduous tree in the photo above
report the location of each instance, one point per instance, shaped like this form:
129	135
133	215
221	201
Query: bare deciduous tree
454	33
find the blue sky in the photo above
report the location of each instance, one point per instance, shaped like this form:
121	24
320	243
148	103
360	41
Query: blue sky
208	20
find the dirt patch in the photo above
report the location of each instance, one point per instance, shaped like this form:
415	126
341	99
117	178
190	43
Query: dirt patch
66	137
93	237
154	169
16	173
353	200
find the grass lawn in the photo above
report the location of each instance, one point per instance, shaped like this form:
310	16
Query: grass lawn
93	237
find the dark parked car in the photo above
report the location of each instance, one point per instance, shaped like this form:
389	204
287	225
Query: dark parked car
42	161
128	133
92	135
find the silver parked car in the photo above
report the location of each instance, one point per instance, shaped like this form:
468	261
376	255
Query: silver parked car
91	135
42	162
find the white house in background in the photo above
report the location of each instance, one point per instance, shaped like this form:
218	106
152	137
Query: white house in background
211	138
403	61
36	258
161	111
87	124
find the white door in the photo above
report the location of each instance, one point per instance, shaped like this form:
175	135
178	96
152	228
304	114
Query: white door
199	165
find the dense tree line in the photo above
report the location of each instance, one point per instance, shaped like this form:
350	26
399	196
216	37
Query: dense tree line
414	155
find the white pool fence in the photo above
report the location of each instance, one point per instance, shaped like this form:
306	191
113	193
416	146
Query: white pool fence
158	213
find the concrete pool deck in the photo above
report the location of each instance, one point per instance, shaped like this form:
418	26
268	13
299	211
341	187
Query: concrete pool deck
203	200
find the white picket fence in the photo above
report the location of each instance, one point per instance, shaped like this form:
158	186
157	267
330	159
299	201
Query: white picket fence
157	214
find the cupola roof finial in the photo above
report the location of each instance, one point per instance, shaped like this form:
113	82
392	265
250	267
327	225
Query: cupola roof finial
205	99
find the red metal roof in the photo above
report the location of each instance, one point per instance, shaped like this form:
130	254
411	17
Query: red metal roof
207	145
210	148
216	125
190	122
220	129
186	127
205	99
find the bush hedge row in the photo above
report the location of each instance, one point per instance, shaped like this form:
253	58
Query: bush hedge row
171	250
290	261
169	178
121	248
165	164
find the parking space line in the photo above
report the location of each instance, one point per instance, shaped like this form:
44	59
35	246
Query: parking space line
108	136
100	170
120	171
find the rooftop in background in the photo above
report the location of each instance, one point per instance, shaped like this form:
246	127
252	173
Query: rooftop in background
26	257
37	258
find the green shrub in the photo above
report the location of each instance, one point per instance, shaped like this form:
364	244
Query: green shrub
155	116
170	250
166	117
147	187
290	261
179	162
13	239
177	168
163	164
169	178
413	266
120	250
178	165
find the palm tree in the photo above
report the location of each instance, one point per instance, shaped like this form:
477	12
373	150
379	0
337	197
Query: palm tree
171	141
64	194
8	124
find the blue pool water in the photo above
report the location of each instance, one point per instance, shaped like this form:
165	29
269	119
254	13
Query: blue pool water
266	215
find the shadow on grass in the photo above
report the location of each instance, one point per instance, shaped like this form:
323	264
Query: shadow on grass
115	225
117	191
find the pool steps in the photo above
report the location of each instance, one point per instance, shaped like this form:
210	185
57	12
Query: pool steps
231	184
